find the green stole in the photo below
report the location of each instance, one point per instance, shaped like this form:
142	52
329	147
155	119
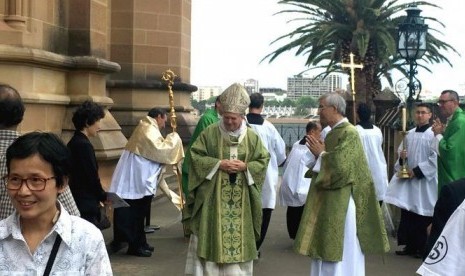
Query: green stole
344	171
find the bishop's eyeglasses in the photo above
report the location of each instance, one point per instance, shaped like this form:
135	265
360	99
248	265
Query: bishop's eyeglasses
33	183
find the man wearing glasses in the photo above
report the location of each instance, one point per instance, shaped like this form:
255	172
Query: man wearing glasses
450	139
341	221
416	195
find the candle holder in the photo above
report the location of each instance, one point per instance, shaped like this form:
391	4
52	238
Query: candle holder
403	173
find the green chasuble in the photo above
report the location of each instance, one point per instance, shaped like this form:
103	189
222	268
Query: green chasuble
451	157
209	117
225	216
344	171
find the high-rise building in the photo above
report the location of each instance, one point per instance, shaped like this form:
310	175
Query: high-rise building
206	92
251	86
299	86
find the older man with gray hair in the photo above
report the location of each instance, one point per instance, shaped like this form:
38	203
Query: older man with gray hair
341	221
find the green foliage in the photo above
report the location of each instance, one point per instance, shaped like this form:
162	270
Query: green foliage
211	100
199	105
331	29
301	111
288	102
272	103
307	102
304	104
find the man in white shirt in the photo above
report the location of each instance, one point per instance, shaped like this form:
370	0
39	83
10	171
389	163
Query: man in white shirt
294	186
372	142
417	194
136	176
277	148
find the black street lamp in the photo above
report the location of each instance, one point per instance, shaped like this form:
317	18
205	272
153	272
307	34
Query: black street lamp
411	45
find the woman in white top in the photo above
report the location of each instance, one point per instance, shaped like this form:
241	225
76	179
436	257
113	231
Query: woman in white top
38	167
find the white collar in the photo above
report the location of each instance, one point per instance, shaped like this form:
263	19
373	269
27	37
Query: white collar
11	227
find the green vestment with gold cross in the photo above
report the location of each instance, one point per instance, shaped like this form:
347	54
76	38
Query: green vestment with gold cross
225	216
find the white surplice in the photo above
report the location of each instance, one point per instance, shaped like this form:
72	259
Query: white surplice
275	145
324	132
448	254
416	195
353	259
372	141
294	186
135	176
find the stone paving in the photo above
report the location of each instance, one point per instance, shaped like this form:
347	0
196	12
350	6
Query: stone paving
277	257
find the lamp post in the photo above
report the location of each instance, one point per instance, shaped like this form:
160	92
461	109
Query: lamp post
411	45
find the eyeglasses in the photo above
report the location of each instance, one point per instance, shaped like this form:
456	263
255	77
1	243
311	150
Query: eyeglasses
442	102
422	112
32	183
321	107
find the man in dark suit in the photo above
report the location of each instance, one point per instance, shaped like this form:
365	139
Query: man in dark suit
450	197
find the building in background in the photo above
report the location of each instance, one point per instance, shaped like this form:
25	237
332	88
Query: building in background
206	92
299	86
272	93
251	86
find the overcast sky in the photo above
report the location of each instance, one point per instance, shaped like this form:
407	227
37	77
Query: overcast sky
229	39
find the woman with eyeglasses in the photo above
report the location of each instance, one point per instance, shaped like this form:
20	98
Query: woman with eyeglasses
40	237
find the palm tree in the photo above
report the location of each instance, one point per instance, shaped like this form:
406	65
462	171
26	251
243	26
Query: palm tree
332	29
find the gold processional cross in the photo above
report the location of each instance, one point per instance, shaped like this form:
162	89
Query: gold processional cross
352	67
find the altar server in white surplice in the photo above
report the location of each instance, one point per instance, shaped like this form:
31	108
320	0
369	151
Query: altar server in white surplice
136	177
294	185
416	195
275	145
372	142
447	254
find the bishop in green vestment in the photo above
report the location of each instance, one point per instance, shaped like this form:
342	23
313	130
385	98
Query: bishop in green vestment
223	207
450	139
344	175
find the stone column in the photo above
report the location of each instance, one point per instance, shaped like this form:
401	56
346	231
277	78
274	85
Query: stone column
15	13
147	38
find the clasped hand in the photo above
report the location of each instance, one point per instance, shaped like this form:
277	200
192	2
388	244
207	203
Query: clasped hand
232	166
315	145
438	127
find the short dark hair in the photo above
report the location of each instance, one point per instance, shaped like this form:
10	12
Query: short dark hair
311	126
217	102
454	95
363	112
424	105
154	112
50	148
87	114
256	100
11	106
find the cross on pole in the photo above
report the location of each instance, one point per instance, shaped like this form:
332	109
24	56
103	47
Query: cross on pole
352	67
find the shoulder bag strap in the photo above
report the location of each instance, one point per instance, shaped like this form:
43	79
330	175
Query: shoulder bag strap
51	259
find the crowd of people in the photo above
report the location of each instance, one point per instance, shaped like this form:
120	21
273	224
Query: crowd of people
334	185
